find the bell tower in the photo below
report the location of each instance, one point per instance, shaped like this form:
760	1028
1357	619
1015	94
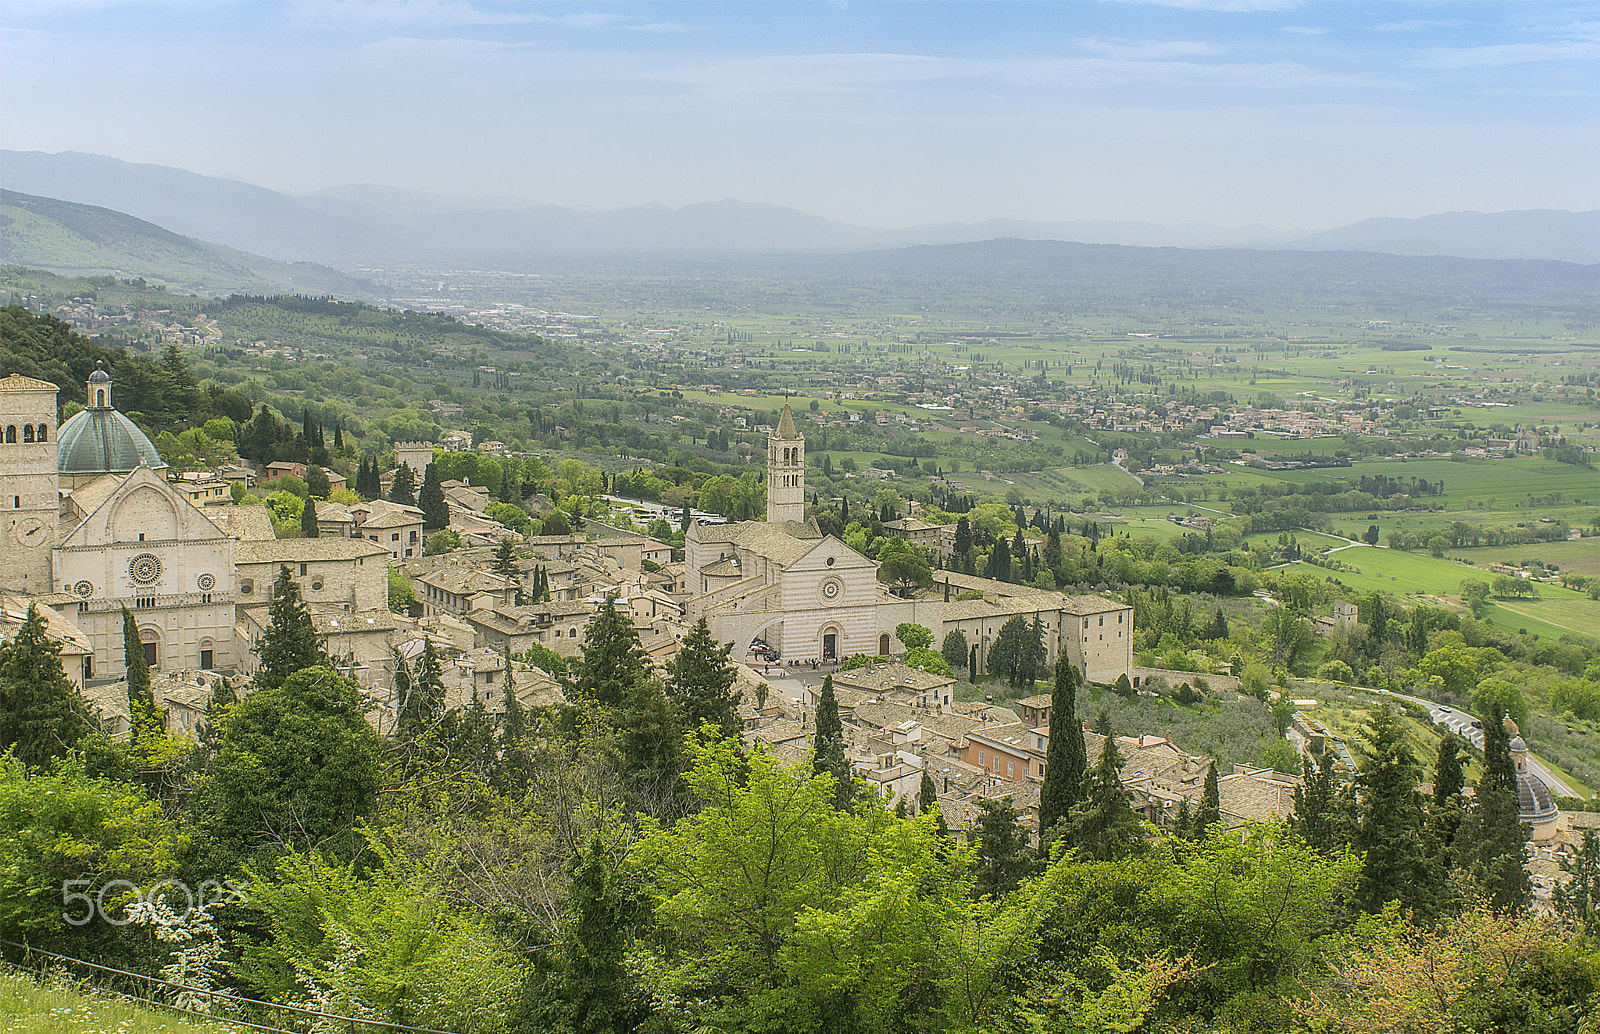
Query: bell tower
786	471
30	503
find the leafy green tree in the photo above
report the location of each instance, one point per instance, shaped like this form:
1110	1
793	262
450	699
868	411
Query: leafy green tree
702	684
1492	845
555	523
1067	757
290	642
297	766
954	648
64	832
1105	828
927	660
828	757
1283	714
902	568
1390	834
441	542
775	910
401	595
913	636
144	720
613	661
1002	848
308	520
1496	692
431	501
42	713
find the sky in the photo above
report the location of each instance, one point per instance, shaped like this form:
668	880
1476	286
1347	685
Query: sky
1232	112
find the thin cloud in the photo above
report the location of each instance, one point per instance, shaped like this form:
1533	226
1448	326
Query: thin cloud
461	13
1500	55
1306	30
1148	50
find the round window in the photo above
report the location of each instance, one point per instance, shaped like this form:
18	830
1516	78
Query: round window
830	561
84	589
246	586
145	568
206	582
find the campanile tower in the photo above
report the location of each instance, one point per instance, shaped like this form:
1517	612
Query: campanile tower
786	472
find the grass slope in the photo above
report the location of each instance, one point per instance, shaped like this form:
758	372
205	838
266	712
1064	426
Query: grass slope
86	241
56	1008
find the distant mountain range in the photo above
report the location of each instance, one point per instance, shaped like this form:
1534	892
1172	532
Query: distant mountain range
85	240
368	225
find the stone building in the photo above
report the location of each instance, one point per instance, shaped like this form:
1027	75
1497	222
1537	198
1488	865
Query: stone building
93	525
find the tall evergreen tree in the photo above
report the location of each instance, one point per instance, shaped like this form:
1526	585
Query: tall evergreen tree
1209	813
927	793
1183	822
1105	827
1492	845
505	559
1066	758
290	642
431	501
613	660
1449	807
702	684
1002	848
143	718
1321	812
828	747
1390	834
1578	898
42	713
403	489
308	520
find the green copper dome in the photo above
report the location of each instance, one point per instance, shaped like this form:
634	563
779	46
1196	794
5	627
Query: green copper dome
103	441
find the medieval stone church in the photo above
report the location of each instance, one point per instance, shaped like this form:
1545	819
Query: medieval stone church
92	527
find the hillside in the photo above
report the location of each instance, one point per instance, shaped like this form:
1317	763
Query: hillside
373	224
84	240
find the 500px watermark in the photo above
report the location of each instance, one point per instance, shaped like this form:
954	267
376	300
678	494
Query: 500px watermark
91	899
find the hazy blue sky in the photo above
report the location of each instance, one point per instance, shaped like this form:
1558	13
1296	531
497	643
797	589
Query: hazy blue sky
1233	112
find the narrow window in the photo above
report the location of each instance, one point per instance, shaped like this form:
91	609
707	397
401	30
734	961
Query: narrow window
11	435
27	434
302	570
100	398
16	502
44	432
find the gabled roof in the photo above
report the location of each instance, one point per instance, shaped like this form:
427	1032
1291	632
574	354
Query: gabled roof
17	382
294	551
192	521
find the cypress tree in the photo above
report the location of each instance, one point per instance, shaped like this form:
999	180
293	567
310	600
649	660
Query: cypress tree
702	684
290	642
1448	777
828	743
1390	834
1105	827
613	660
1492	845
431	500
1322	807
505	559
927	793
143	718
1210	811
403	489
42	714
308	520
1063	771
1183	822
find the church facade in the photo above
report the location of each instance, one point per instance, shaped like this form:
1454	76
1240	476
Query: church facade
92	529
813	598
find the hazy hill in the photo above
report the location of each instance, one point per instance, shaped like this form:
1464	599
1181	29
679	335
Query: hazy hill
366	224
85	240
1533	234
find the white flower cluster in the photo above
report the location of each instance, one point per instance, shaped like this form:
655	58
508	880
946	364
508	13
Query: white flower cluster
197	952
